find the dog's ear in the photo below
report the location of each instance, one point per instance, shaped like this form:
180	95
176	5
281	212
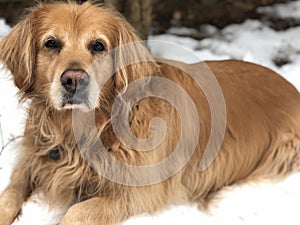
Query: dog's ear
17	52
132	58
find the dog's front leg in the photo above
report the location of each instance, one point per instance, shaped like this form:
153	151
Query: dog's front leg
11	200
97	211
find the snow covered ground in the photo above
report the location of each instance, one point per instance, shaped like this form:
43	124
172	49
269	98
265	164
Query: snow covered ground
263	203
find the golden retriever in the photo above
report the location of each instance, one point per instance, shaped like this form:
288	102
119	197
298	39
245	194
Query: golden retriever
112	132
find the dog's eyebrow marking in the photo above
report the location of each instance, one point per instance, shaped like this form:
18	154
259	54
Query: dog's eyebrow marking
103	38
97	36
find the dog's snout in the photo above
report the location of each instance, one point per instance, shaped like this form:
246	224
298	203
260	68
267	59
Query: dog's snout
74	80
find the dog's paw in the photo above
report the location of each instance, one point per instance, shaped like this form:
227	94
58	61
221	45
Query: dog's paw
85	214
73	216
10	206
7	214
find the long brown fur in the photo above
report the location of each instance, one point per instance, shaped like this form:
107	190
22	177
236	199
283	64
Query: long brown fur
262	138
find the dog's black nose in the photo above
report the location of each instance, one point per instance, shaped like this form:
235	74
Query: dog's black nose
74	80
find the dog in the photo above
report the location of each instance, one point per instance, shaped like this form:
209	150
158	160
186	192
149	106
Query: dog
113	132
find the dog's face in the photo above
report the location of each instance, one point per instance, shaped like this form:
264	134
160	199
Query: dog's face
70	40
53	52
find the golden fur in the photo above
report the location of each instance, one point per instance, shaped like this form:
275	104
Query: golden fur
262	138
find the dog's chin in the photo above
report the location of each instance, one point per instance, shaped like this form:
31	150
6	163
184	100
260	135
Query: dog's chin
76	106
85	101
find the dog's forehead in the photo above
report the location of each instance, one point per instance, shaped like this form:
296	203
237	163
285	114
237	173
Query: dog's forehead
73	19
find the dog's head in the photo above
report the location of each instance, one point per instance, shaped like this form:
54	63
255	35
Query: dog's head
65	52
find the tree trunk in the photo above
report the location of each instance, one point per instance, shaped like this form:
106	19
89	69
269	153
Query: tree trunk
137	12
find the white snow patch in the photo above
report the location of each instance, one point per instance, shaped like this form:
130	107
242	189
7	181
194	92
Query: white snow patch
284	10
4	28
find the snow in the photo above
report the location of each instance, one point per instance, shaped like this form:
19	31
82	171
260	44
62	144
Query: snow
259	203
284	11
250	41
4	28
181	30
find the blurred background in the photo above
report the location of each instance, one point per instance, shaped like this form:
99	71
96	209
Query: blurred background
157	16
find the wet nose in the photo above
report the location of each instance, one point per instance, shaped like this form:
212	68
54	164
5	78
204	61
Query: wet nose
74	80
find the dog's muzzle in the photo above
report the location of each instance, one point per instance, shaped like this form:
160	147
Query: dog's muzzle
75	84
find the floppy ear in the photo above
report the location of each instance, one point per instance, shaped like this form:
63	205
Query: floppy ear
17	52
132	59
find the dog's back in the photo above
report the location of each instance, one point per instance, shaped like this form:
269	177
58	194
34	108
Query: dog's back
262	135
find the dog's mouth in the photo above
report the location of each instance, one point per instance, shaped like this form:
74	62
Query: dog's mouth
75	90
74	87
75	101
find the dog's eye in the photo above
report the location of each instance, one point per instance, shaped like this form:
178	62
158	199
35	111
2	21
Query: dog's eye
97	47
52	43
